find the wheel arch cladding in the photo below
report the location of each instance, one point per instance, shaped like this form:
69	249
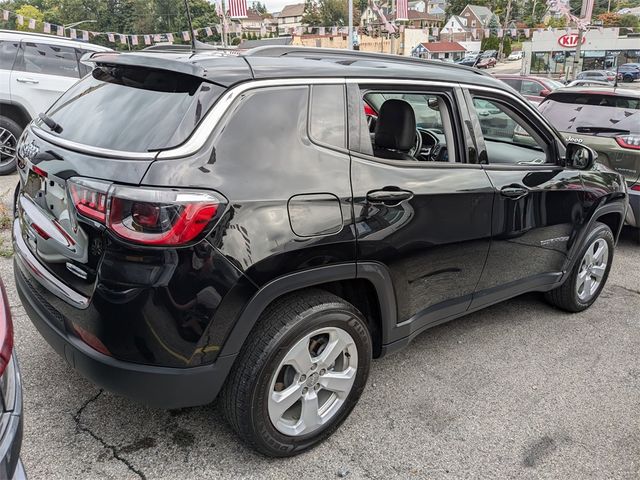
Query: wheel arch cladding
15	112
371	297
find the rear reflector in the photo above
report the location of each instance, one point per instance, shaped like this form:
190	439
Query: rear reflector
6	331
147	216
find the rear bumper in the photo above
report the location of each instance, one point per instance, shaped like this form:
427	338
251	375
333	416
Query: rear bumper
162	387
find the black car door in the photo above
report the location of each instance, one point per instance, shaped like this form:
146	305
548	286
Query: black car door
425	218
538	202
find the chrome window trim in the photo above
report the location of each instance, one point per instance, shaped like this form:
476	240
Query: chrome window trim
203	132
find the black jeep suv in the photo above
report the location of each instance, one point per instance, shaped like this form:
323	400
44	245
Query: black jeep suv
262	226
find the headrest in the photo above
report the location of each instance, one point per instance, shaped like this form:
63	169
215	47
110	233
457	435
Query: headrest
396	126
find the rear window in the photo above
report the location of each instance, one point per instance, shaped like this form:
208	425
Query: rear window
133	109
568	111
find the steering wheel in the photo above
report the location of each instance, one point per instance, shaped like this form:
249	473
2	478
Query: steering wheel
417	146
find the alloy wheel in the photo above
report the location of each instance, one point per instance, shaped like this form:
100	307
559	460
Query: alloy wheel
592	269
312	381
8	143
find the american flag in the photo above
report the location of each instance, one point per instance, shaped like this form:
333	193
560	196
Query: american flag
238	8
402	13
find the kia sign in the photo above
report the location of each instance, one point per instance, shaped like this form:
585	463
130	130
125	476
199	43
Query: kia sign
570	40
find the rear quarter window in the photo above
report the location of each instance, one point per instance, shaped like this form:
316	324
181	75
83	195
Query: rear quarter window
568	111
48	60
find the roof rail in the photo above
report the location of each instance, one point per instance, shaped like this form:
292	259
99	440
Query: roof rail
330	53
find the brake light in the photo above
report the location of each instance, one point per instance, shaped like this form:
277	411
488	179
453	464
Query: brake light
636	187
90	198
147	216
629	141
6	332
368	111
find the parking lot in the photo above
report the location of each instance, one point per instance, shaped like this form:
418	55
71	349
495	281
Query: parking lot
519	390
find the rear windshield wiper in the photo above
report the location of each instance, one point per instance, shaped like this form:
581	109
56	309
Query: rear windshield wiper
601	130
51	123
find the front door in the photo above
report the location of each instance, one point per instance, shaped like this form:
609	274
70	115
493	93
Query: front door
538	203
424	212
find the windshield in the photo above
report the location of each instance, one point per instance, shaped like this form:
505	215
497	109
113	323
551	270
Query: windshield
553	84
570	111
132	109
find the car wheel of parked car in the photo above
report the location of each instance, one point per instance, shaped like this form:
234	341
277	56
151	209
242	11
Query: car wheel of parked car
589	273
299	374
10	131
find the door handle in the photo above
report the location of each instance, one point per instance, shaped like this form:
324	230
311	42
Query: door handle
27	80
390	196
514	192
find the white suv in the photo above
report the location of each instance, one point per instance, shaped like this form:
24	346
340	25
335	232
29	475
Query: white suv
35	70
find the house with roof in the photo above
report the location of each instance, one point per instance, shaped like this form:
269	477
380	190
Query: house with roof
436	7
290	16
450	51
417	5
478	17
255	23
455	30
417	18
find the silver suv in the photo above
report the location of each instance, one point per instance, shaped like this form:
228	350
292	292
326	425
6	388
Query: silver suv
35	70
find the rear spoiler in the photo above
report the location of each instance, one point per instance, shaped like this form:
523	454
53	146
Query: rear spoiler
145	61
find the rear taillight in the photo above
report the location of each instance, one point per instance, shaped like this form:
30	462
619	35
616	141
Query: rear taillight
629	141
636	188
147	216
6	332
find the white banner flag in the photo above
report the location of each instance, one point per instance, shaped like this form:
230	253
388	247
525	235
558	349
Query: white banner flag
195	33
123	39
185	36
85	35
72	33
20	19
169	37
32	23
321	31
209	31
60	31
47	28
134	40
5	15
110	37
147	39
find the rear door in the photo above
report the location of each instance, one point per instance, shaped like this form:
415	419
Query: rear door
42	72
8	52
427	219
538	203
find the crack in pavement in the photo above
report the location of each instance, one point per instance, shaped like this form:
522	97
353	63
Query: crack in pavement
114	451
630	290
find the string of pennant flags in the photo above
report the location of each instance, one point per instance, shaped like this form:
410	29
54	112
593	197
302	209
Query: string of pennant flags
150	38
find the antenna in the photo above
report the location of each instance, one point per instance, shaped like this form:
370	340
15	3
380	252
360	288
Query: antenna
193	39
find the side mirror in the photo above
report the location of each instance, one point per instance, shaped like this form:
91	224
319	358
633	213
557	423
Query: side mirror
545	92
580	156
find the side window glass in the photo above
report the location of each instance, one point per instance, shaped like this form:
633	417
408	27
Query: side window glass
509	138
411	126
8	52
531	88
327	116
49	60
84	69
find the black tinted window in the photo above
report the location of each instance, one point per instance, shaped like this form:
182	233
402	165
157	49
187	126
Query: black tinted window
133	109
569	111
327	117
48	59
8	52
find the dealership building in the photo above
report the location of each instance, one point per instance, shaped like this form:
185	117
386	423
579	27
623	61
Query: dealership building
552	52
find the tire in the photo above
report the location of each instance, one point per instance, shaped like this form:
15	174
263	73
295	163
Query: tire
10	132
582	288
258	374
627	78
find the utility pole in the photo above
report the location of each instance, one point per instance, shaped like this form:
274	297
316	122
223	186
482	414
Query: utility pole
504	30
350	36
392	36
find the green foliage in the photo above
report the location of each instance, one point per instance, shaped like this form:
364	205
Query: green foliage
490	43
259	8
560	22
29	11
235	41
506	46
330	12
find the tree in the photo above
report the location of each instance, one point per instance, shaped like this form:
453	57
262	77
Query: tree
491	42
259	8
494	25
559	22
28	12
311	14
506	46
629	21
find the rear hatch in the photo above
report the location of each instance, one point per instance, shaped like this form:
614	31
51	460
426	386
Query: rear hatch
107	129
606	120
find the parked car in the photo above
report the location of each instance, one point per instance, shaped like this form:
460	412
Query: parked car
532	88
11	398
600	75
587	83
35	70
629	72
490	54
150	258
607	120
486	62
517	55
469	60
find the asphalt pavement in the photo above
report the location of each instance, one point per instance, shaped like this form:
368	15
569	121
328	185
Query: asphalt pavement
519	390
